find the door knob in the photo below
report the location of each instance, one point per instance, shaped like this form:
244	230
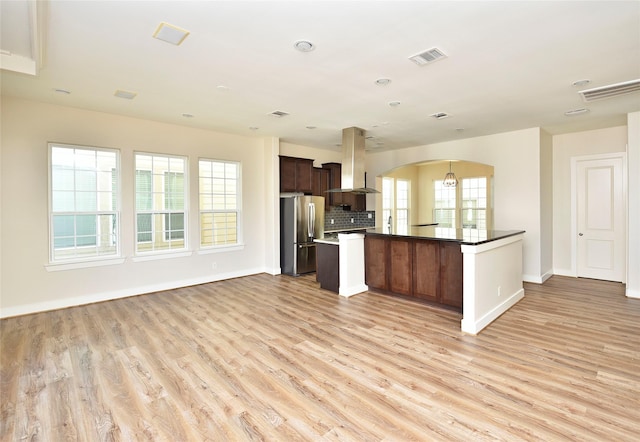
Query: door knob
579	234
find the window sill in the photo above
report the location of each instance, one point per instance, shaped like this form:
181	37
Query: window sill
82	264
160	255
221	249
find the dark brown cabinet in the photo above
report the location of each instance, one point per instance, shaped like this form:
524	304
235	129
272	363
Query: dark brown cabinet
296	175
321	184
425	269
400	266
375	259
328	266
355	202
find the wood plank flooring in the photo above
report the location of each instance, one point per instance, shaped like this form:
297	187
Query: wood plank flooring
275	358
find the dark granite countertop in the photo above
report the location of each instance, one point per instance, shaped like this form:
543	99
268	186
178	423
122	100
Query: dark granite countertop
463	236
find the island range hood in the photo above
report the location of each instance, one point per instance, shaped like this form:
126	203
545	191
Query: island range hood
353	178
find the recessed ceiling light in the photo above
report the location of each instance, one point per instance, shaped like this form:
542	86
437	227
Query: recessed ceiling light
311	127
383	81
222	88
572	112
170	33
253	128
278	114
439	115
394	103
62	91
460	129
580	83
187	115
125	94
304	46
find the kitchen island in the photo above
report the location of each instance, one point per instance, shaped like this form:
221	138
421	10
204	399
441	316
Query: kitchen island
477	272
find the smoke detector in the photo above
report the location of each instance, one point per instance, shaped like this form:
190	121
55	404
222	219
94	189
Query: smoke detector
428	56
440	115
612	90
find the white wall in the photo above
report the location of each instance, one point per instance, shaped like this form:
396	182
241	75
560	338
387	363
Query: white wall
633	224
546	205
565	147
319	156
27	127
517	201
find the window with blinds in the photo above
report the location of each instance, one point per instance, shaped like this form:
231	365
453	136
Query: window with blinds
220	202
84	196
444	212
161	196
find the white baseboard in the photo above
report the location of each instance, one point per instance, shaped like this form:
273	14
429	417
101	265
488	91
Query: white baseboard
564	272
350	291
532	278
19	310
633	293
474	328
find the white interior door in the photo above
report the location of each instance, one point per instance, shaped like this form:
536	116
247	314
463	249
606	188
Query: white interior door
600	245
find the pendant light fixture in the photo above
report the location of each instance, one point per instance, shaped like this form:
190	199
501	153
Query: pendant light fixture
450	179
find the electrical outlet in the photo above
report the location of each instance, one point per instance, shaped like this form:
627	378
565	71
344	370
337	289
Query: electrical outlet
331	220
351	220
369	215
214	265
499	290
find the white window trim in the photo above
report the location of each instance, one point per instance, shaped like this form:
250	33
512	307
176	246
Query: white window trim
163	253
218	248
91	261
56	267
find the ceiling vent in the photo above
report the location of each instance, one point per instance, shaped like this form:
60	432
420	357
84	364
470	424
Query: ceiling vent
426	57
128	95
613	90
440	115
278	114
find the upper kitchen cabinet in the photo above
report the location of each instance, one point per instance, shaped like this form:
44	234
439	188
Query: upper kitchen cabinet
296	175
321	184
355	202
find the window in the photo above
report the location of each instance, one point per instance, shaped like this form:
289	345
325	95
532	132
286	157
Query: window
474	203
402	206
387	200
161	215
219	187
444	212
84	221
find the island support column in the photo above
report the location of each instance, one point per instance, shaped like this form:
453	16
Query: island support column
492	281
351	264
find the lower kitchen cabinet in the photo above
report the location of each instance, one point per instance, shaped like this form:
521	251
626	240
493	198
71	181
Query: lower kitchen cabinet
400	266
375	262
430	270
328	266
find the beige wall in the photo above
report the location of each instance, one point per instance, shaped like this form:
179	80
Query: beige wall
27	127
564	148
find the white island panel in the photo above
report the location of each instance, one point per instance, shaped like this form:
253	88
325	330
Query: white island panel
492	281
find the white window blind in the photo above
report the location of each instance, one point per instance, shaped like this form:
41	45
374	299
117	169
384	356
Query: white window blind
220	202
84	186
161	196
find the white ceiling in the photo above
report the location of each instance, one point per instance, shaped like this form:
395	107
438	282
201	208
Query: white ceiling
510	65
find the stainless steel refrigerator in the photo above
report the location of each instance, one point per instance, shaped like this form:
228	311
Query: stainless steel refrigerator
301	221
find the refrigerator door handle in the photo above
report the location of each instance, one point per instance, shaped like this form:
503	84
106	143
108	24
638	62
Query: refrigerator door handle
311	220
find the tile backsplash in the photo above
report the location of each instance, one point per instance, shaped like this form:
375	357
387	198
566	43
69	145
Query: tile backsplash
342	219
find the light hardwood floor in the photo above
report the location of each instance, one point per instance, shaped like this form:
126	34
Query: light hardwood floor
275	358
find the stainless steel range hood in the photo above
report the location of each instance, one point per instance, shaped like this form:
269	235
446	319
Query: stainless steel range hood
353	178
